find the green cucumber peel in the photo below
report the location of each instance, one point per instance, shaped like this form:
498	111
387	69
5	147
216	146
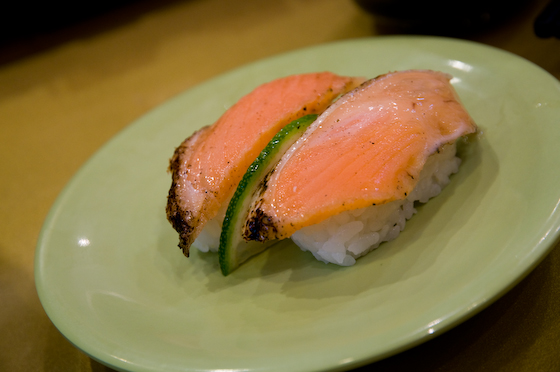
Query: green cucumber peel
234	250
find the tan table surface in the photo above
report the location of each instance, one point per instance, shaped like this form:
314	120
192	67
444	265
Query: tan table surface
65	94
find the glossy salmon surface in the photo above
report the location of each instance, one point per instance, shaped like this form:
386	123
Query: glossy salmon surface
367	149
207	166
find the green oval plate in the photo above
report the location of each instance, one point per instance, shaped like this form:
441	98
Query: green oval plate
111	279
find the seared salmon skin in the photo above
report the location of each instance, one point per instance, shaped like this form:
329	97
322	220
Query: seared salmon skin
207	167
366	149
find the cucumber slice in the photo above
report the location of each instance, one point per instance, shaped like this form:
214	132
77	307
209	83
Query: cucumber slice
234	250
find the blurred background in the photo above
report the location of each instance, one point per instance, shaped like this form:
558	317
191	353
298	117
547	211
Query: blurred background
29	27
73	75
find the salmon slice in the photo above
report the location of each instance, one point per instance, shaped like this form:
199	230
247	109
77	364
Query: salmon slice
207	166
367	149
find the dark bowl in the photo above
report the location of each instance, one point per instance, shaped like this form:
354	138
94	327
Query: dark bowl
442	17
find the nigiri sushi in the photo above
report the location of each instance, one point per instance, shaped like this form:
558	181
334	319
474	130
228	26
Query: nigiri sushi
350	182
207	167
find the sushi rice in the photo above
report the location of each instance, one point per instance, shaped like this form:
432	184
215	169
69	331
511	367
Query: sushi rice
342	238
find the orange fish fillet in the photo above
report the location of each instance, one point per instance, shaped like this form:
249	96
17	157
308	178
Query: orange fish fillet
207	166
368	148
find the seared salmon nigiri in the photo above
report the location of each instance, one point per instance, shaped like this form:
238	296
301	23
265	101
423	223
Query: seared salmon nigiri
207	167
366	150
